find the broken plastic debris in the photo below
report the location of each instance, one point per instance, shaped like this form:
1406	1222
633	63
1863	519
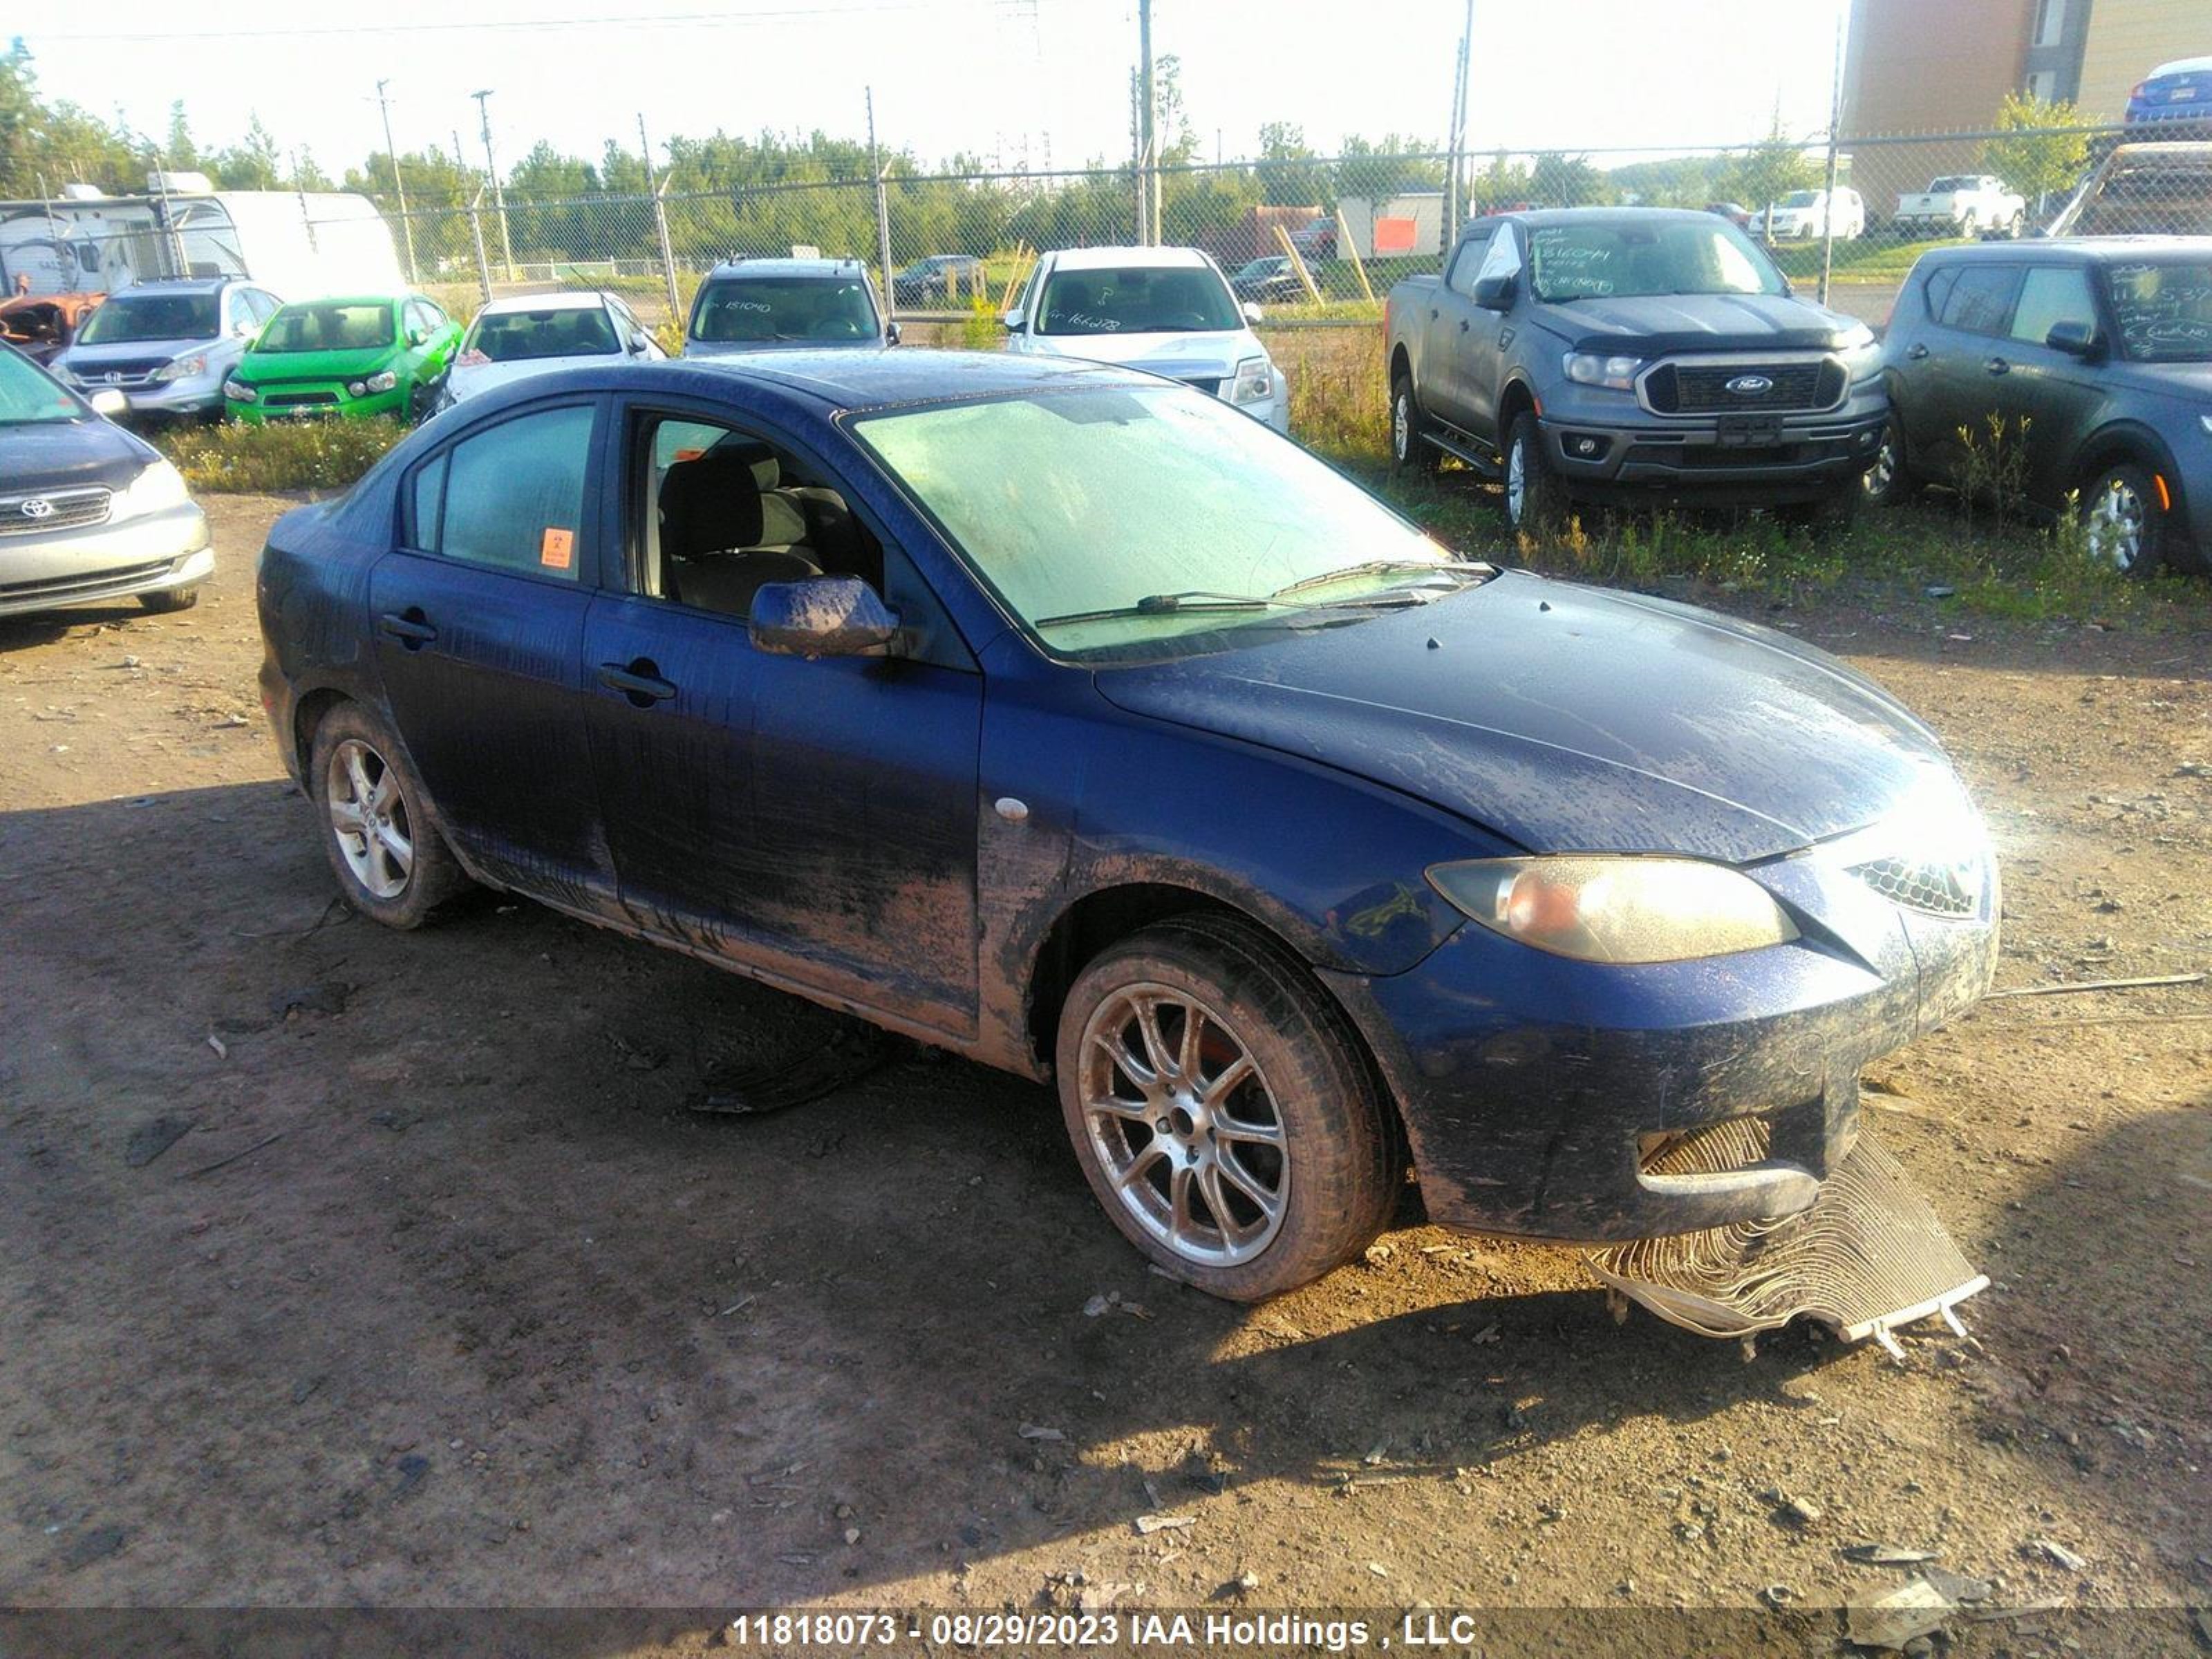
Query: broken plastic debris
1149	1524
1867	1257
1896	1617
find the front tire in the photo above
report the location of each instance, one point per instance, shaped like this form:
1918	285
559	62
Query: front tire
1410	448
1221	1109
391	863
170	599
2126	528
1890	480
1532	492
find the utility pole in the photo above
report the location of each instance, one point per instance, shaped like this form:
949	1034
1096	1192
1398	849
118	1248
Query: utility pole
1457	144
498	196
399	185
1829	198
1148	156
883	213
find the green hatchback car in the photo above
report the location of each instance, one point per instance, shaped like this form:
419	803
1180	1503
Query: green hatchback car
382	354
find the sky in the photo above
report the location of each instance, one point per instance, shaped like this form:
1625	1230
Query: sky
1033	83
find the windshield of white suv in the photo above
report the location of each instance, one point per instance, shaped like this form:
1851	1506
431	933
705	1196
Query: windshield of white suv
1152	522
2164	310
515	336
129	319
1137	299
785	309
28	396
1623	259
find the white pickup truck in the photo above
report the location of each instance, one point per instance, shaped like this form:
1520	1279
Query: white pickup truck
1964	204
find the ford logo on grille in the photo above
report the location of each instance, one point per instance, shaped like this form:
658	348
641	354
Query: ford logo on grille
38	507
1751	386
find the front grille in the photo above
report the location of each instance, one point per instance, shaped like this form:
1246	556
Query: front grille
89	585
130	373
66	509
1690	388
298	399
1941	889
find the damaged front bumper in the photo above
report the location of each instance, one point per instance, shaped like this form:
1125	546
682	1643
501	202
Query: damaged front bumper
1539	1093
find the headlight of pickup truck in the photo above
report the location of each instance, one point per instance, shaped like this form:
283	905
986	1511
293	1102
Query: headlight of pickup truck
1254	382
1590	368
1617	909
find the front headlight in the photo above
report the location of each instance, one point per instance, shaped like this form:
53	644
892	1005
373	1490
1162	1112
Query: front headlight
1617	909
1592	369
1858	338
238	392
159	487
1254	382
383	382
183	369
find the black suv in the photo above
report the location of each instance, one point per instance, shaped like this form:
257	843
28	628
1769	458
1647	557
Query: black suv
1631	355
2093	360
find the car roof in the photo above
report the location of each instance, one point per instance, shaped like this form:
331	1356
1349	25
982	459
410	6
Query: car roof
2076	249
571	299
1109	258
785	268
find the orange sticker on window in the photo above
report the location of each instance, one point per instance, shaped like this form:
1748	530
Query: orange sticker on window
689	454
556	549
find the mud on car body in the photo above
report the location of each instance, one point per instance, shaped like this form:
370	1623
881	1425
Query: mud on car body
1072	721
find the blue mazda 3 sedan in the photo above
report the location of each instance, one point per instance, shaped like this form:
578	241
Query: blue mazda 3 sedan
1063	718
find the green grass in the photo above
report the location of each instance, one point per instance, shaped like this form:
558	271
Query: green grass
1876	257
256	459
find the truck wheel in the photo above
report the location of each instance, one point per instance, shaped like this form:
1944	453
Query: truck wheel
1410	448
1970	226
1532	493
1221	1109
1889	480
2019	225
2120	513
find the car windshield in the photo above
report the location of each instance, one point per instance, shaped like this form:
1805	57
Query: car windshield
786	308
130	317
1137	299
329	325
1148	523
1267	267
29	396
1800	199
1707	255
1945	186
2164	310
516	336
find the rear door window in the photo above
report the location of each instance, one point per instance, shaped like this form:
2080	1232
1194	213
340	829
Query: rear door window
510	496
1980	302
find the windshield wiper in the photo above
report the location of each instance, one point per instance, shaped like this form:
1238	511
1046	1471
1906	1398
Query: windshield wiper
1169	605
1378	566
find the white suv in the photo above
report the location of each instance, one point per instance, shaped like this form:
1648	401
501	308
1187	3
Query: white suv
1166	310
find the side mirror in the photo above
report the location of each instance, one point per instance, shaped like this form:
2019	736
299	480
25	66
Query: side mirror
822	616
415	336
1011	322
109	403
890	333
2076	339
639	344
1251	312
1495	293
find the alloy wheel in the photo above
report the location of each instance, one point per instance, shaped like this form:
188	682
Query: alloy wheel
369	820
1402	426
1183	1124
1878	478
1517	481
2116	524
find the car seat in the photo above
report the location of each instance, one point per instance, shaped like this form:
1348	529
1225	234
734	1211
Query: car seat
716	526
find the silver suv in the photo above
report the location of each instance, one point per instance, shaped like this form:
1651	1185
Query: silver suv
166	346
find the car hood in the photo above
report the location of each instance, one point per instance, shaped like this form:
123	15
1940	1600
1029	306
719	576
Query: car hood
1214	352
87	359
40	455
1696	322
1568	719
469	378
257	366
742	347
2192	381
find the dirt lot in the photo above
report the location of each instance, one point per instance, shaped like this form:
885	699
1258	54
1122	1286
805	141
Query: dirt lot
444	1295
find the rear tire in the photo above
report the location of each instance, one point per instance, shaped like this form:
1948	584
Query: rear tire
1533	500
391	864
170	599
1298	1149
1411	451
1890	481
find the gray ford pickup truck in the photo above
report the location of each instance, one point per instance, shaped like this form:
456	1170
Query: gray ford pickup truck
1626	355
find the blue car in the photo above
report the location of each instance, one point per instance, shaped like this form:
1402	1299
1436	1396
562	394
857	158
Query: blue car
2178	91
1064	718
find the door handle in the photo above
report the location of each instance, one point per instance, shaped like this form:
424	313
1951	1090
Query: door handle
1916	353
1997	366
639	681
1432	313
409	627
